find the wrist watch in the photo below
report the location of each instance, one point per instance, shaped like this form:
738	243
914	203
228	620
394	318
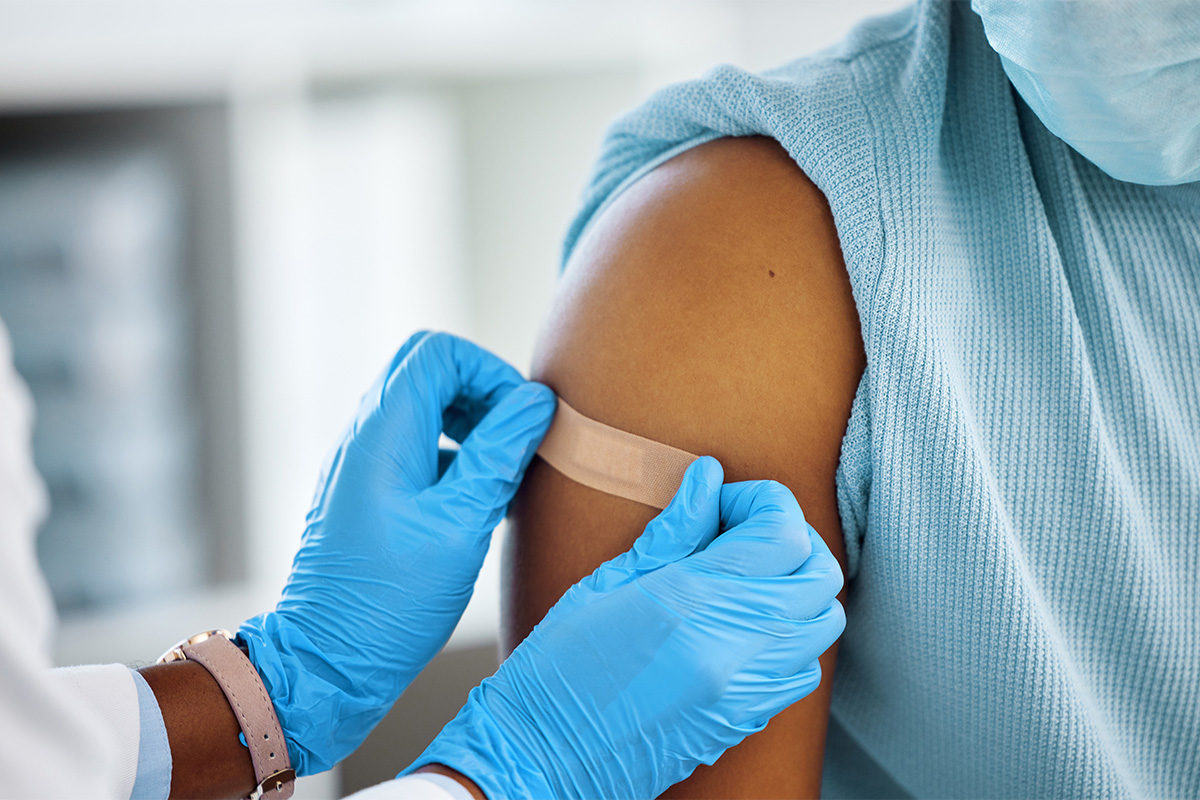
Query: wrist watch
243	687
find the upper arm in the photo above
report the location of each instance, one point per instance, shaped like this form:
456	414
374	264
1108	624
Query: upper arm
708	307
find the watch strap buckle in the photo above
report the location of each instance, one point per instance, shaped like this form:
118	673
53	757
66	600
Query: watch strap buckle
273	783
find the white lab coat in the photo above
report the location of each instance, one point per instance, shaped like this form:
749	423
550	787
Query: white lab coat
50	744
72	733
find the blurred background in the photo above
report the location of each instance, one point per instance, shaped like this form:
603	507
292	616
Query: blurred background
217	222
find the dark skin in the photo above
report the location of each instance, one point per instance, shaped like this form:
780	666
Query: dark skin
707	308
207	759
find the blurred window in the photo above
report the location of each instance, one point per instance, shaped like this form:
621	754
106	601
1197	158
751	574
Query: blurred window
94	274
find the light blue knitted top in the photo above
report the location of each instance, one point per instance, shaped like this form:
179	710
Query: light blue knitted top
1020	481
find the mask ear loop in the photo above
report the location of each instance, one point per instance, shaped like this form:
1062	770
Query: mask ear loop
613	461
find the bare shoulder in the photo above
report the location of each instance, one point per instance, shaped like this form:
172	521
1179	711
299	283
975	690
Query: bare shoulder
709	307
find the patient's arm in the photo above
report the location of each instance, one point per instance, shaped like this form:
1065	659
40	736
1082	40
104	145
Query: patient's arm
707	308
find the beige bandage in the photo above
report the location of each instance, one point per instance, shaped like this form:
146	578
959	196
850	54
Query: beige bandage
613	461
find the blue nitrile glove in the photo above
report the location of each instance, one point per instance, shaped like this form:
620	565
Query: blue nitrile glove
391	553
661	659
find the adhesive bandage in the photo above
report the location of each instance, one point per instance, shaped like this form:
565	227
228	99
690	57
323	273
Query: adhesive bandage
613	461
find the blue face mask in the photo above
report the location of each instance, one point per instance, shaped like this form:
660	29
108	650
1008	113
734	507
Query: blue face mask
1118	80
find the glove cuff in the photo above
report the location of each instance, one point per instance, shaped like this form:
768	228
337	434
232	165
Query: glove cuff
322	718
261	650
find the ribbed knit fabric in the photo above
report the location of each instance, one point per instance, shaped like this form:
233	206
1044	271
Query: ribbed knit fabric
1020	481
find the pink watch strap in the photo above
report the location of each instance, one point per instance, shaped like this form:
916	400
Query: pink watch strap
247	696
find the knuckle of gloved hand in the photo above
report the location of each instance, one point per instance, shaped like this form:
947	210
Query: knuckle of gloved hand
837	617
430	345
808	596
406	349
440	340
437	348
778	506
827	626
774	495
416	338
826	573
794	546
809	678
837	577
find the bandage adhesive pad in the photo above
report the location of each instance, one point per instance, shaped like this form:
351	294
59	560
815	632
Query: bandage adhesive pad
613	461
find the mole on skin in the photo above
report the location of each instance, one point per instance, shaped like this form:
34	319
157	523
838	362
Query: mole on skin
771	272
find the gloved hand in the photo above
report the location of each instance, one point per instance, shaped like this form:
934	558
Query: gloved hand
661	659
391	553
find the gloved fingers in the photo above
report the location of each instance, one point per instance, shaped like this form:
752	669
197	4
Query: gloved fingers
367	404
464	411
373	397
765	532
818	543
689	523
822	569
811	637
466	380
800	685
756	697
428	375
779	599
814	586
402	353
829	625
400	418
742	500
484	476
686	525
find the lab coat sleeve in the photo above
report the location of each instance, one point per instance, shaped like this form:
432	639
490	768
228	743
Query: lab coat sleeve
51	745
424	786
109	692
125	704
